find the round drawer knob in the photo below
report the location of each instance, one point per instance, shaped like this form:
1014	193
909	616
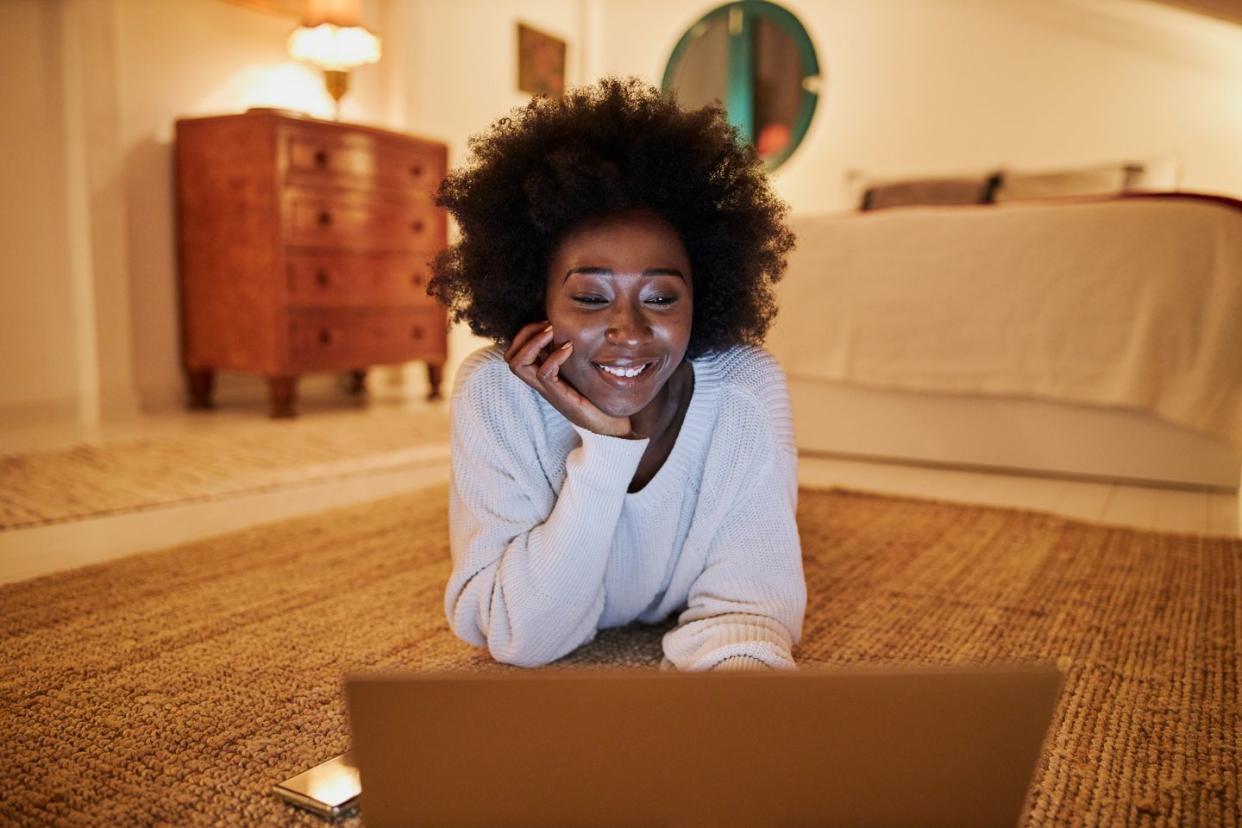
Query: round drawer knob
321	158
416	332
416	170
325	336
417	225
325	218
321	278
417	280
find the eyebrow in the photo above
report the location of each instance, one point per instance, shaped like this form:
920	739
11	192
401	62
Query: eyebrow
607	271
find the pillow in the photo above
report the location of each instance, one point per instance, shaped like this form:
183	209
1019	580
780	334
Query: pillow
1086	181
975	190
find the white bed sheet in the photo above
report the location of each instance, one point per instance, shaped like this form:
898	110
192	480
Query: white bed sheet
1133	303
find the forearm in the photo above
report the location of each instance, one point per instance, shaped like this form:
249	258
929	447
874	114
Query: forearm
750	599
532	593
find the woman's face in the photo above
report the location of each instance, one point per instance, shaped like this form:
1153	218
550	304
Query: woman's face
620	288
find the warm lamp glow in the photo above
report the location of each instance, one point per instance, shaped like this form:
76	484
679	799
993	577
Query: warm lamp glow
333	47
331	37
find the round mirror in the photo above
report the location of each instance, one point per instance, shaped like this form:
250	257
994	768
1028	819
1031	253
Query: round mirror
757	59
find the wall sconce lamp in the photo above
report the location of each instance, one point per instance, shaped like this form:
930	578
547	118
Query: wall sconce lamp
333	38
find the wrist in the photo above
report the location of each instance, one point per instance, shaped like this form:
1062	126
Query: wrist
621	430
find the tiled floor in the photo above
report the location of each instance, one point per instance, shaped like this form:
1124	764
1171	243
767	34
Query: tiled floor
29	552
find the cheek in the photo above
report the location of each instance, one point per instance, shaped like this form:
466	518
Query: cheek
578	365
566	329
676	333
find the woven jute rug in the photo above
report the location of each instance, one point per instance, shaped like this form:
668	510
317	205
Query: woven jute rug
175	687
87	480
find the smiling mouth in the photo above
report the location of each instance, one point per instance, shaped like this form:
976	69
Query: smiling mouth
624	371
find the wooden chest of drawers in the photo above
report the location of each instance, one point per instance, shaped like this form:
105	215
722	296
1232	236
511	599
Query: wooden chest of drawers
304	246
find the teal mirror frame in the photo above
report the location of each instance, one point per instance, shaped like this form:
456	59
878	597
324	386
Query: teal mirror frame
740	103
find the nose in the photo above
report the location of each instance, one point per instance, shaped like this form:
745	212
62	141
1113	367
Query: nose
627	326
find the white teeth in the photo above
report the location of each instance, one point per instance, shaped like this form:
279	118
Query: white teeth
625	372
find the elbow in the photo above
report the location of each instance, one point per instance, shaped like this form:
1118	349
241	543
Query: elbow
514	641
535	641
524	630
530	645
460	611
505	646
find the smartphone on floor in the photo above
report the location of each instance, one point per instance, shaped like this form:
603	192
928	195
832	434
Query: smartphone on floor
330	789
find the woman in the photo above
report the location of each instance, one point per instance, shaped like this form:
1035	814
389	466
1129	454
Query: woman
628	453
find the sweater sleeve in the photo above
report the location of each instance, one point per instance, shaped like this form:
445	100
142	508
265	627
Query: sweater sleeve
528	563
745	609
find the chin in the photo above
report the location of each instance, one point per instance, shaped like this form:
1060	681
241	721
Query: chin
621	408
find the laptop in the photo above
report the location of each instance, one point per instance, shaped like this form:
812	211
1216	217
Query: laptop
556	747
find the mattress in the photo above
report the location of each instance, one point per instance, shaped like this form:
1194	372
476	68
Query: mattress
1130	303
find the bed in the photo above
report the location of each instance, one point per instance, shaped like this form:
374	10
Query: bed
1096	337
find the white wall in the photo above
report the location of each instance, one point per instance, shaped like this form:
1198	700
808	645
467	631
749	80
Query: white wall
88	314
462	76
928	86
911	86
88	303
182	58
37	341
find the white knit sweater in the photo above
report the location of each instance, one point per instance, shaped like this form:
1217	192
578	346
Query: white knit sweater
548	547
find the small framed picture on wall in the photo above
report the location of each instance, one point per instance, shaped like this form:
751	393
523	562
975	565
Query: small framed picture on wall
541	62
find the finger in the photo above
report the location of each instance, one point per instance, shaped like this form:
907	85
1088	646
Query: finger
524	335
529	352
533	352
568	400
550	371
558	391
576	407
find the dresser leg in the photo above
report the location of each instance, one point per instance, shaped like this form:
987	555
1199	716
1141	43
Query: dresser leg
435	373
200	383
357	383
282	393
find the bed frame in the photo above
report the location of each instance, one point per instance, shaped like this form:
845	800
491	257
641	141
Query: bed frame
863	260
1010	434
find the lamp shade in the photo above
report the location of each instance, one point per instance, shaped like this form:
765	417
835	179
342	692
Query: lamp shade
331	47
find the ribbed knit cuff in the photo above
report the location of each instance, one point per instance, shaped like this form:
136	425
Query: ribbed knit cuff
740	663
610	460
709	642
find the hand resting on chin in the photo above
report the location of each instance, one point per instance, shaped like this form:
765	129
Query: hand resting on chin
532	357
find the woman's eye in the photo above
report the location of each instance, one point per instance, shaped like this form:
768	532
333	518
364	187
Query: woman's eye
590	300
662	300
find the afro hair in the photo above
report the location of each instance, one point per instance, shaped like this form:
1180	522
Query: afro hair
616	145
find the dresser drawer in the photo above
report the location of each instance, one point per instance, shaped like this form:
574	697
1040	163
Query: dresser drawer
323	338
328	157
348	279
420	168
323	219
